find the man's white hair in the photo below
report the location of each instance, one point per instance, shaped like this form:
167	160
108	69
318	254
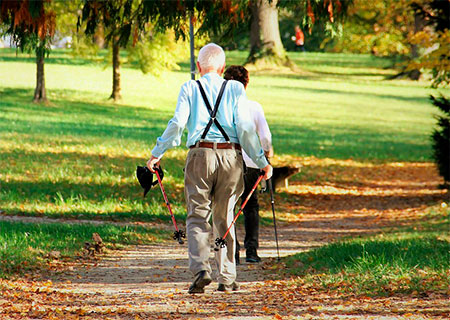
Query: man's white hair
211	56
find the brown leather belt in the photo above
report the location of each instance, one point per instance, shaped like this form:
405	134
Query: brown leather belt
218	145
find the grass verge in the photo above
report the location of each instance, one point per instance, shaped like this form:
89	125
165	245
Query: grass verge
405	261
24	247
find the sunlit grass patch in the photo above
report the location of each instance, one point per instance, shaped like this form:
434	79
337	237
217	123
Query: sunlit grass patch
411	261
25	246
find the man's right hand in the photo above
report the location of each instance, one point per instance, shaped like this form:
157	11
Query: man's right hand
152	163
267	172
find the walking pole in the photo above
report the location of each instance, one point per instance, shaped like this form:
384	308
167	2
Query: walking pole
220	242
273	212
178	234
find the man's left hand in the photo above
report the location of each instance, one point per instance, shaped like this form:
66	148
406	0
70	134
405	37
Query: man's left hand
267	172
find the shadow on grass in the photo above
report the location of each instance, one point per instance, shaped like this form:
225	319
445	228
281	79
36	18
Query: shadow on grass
93	186
20	99
58	56
339	142
355	95
96	120
363	61
50	60
78	119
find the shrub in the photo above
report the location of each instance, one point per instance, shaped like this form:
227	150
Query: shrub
441	139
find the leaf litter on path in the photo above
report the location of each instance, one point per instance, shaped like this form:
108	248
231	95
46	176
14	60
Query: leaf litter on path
151	281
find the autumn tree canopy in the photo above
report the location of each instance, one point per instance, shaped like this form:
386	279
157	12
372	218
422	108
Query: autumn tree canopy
31	26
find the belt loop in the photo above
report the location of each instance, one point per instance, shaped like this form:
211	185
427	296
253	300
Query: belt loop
215	145
233	146
197	144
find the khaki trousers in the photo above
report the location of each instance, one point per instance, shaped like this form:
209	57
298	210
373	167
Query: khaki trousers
213	184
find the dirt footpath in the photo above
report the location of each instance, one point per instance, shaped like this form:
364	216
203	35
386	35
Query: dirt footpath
151	281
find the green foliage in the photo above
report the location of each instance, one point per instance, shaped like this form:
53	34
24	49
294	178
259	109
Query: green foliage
326	15
379	27
441	138
126	18
67	13
234	37
436	56
318	35
415	30
25	246
157	52
316	41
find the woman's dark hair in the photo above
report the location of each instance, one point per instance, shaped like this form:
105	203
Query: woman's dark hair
238	73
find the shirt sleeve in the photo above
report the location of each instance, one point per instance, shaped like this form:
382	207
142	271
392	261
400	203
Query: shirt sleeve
263	130
172	135
246	131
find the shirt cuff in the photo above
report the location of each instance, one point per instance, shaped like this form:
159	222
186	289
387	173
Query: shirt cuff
261	162
156	153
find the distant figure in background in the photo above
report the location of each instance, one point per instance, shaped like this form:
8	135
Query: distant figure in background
299	39
251	210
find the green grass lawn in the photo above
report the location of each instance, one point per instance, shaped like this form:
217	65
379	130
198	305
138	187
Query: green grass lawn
77	156
405	260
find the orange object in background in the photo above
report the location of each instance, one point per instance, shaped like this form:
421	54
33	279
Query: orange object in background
299	36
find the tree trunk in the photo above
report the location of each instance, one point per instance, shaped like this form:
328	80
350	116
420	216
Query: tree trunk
116	95
40	94
99	36
265	41
418	26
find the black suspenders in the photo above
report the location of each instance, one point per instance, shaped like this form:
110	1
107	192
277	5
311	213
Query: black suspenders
212	112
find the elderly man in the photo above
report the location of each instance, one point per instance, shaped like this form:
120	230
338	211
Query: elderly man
218	123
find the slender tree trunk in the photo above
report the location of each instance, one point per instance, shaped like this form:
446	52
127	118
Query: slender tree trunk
116	95
99	36
40	94
265	39
418	26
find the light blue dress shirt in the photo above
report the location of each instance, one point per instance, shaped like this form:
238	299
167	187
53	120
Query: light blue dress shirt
233	115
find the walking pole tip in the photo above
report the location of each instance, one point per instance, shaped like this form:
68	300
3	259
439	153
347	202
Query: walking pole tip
179	235
220	243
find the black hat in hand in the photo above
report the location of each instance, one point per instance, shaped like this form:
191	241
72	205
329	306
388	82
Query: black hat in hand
145	177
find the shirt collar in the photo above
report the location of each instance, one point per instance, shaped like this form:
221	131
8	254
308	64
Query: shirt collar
212	75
